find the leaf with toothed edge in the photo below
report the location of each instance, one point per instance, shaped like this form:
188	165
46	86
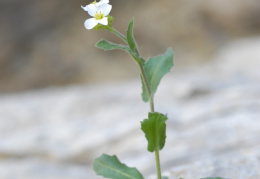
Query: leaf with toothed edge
106	45
155	130
110	167
155	68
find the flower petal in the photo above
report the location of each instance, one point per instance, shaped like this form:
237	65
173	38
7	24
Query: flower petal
105	8
102	2
103	21
84	8
90	23
92	9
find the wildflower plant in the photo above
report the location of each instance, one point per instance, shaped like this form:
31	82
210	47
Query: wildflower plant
152	71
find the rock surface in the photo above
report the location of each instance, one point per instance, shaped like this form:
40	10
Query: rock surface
213	127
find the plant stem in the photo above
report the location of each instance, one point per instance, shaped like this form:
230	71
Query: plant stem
148	89
112	29
158	166
147	86
139	60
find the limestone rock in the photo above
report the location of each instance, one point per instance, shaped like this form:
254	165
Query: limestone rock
213	126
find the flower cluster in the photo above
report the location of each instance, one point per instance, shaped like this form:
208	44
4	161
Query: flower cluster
99	11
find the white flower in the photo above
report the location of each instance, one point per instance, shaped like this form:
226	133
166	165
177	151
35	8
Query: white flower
95	3
99	13
102	2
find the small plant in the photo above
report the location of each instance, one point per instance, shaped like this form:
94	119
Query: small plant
152	71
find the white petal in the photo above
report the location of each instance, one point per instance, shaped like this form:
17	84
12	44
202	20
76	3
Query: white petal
84	8
103	21
90	23
92	9
102	2
105	8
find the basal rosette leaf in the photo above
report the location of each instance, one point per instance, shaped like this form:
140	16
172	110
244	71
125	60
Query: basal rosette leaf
110	167
156	68
155	130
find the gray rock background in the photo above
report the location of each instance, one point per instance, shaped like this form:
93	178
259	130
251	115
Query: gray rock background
213	127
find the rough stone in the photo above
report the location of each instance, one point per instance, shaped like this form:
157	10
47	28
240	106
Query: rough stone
213	126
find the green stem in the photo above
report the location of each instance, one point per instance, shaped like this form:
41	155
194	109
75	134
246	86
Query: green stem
147	86
148	89
112	29
140	61
158	166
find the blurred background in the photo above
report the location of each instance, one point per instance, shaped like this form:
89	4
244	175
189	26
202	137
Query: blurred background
44	43
64	102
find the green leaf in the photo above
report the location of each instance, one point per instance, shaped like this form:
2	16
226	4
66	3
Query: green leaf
145	95
110	167
130	38
155	131
105	27
105	45
155	69
214	178
165	178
